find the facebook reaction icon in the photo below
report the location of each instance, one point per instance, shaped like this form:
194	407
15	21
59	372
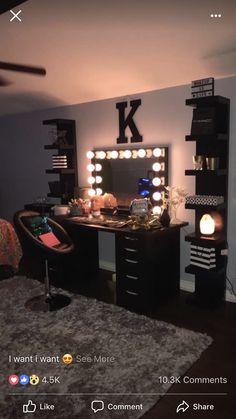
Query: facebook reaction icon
24	379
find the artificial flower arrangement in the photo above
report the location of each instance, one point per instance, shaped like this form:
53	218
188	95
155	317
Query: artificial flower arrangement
109	200
79	206
174	197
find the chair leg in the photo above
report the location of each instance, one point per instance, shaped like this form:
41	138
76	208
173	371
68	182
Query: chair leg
48	295
48	301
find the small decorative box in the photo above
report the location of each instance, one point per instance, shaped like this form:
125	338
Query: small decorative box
212	200
203	257
203	87
59	162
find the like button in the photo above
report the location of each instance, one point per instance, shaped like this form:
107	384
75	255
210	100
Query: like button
30	407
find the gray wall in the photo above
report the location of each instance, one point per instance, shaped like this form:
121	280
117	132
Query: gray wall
163	119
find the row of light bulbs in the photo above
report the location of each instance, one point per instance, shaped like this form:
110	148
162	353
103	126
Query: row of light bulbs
93	192
156	181
157	167
127	154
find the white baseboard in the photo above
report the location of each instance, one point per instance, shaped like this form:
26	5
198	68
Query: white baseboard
184	285
107	266
231	298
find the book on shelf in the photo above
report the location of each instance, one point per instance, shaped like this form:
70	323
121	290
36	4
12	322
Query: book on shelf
204	121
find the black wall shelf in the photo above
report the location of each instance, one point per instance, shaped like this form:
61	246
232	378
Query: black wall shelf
60	171
218	172
64	143
207	138
205	241
207	101
52	195
205	208
57	147
210	273
210	284
59	121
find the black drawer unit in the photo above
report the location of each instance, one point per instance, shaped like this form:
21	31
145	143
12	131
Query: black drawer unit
147	261
147	266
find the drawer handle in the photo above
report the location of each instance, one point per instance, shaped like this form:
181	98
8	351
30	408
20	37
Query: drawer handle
132	293
130	250
131	277
131	261
131	238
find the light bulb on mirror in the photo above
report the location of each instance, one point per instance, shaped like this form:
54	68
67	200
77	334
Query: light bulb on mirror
156	167
102	155
98	179
134	154
91	167
141	153
156	196
156	181
114	154
99	191
157	152
91	192
148	153
156	210
90	154
98	167
91	180
127	154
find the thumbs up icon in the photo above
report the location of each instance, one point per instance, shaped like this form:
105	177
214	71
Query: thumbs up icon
30	407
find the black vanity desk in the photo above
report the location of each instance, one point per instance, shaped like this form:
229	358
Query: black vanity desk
147	261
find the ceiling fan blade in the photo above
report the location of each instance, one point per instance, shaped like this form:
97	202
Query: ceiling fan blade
10	4
4	82
40	71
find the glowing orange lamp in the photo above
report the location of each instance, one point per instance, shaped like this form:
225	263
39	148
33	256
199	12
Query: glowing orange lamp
207	225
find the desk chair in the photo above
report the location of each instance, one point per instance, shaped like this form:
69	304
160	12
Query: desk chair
33	246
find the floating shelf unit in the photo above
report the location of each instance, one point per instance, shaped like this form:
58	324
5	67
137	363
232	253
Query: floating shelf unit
68	177
218	172
210	284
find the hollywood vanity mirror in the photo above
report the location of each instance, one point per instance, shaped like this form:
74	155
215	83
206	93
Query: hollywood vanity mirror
129	172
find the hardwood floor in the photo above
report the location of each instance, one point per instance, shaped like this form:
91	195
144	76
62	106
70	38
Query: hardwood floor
217	361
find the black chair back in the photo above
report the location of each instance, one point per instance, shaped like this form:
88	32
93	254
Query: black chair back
30	242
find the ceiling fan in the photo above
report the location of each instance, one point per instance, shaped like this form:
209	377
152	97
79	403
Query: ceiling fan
38	71
10	4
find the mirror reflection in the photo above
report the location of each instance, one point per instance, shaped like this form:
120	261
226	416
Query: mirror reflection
122	176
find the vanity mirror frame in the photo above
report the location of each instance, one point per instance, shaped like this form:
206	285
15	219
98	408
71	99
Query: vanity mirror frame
158	174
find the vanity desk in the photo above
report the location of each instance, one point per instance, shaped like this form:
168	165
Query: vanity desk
147	261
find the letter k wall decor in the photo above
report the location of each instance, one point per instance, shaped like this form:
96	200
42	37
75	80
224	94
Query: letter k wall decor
127	121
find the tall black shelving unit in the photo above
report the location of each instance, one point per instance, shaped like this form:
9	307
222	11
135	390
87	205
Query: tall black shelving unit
210	284
68	177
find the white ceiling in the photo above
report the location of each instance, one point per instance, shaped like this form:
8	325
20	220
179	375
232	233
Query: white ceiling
97	49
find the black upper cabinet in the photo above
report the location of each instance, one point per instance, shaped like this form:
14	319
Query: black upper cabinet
210	131
62	140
